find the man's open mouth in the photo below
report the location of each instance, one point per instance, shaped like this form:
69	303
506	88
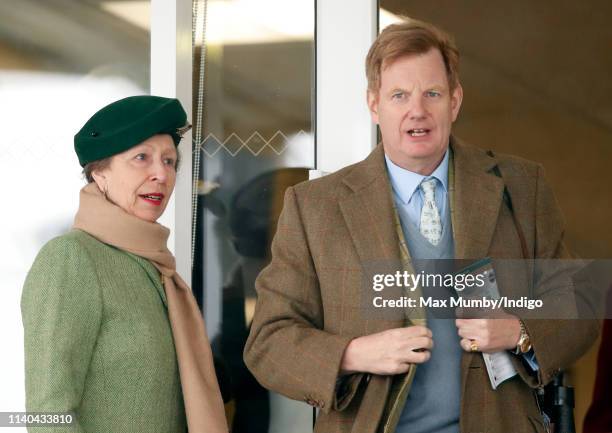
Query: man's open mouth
418	132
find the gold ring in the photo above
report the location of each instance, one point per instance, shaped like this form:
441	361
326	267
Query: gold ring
473	346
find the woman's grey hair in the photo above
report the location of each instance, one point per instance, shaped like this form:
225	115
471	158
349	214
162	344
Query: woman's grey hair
102	164
89	168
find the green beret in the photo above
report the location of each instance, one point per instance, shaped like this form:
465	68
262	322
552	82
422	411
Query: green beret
126	123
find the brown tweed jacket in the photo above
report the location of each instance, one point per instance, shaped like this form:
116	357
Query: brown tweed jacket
309	306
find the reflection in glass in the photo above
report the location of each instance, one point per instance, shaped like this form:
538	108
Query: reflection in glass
253	138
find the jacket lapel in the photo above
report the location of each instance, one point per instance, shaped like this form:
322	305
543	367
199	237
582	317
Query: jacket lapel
368	212
477	199
153	275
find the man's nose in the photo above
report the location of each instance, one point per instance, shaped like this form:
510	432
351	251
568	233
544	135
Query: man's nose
416	107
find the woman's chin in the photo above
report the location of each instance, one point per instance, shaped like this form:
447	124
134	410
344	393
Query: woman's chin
148	215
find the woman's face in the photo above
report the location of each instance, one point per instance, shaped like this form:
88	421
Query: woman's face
141	179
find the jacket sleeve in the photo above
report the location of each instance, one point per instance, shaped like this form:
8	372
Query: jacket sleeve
287	350
557	343
61	308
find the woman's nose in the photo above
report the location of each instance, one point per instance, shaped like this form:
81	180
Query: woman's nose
159	171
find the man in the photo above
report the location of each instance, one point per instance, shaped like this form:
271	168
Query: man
310	338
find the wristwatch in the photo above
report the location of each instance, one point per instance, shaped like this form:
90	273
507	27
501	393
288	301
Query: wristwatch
524	344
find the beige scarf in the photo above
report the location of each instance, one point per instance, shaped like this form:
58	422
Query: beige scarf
110	224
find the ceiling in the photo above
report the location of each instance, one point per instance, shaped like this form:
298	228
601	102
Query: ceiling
71	36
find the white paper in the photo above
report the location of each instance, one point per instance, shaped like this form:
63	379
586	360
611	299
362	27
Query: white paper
499	367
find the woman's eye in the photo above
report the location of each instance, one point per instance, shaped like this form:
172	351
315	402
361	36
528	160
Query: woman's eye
398	95
140	157
169	161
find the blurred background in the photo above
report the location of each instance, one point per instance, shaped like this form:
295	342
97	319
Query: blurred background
536	84
60	61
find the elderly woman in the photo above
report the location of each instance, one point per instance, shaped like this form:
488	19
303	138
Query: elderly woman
112	333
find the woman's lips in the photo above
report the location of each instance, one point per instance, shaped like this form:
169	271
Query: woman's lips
153	198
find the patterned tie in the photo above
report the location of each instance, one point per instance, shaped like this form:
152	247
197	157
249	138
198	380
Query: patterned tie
431	224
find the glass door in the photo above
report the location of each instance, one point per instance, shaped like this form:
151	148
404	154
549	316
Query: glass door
253	105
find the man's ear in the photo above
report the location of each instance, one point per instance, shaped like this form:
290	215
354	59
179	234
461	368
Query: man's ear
372	98
456	99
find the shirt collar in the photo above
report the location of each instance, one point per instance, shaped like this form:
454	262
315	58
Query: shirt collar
405	182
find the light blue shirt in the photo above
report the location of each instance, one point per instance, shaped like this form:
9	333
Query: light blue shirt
408	195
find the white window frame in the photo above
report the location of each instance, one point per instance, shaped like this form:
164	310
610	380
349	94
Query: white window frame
171	71
345	134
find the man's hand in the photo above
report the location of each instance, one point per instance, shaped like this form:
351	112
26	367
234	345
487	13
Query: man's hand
489	335
388	352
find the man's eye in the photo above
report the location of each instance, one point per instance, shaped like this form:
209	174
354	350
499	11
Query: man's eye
433	94
169	161
398	95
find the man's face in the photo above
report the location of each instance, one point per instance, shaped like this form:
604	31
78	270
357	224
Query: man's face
415	109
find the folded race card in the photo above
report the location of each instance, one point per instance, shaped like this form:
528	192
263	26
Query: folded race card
499	364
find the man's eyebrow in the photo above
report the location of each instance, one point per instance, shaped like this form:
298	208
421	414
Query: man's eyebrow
436	86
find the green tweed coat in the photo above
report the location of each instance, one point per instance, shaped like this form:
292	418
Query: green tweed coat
98	340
